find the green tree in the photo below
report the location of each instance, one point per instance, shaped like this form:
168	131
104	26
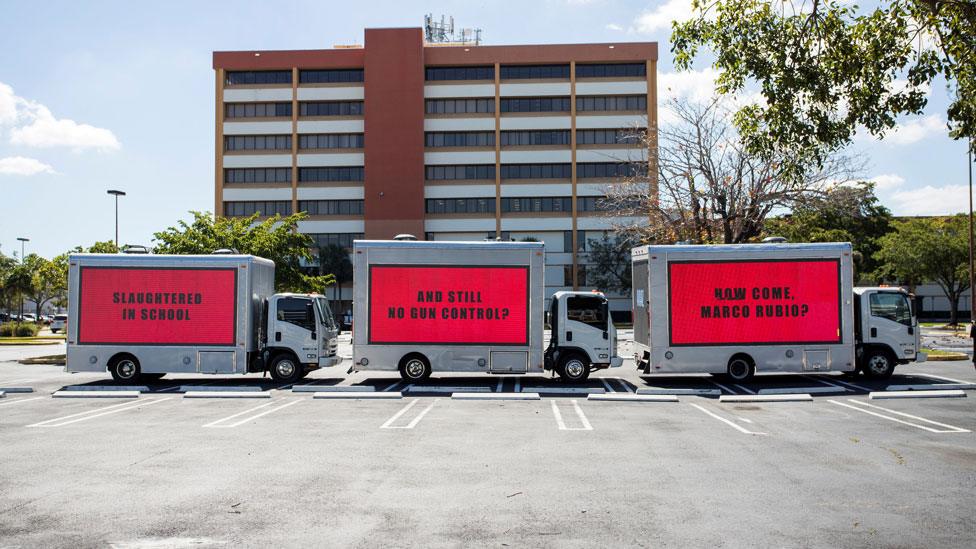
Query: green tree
7	292
276	238
844	213
334	261
929	249
47	281
826	68
609	264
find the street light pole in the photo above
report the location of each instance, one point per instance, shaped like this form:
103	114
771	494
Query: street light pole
972	289
22	258
117	194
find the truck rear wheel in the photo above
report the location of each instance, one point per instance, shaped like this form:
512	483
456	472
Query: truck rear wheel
285	369
878	364
574	368
414	367
124	368
740	368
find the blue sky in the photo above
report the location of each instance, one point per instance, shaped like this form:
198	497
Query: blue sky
100	95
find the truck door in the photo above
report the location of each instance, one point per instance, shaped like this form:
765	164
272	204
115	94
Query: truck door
890	321
587	326
294	328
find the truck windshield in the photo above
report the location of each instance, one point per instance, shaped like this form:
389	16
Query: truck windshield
892	306
325	312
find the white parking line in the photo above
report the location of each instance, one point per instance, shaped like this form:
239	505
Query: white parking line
585	424
949	428
252	418
249	410
397	415
92	414
624	384
723	387
413	423
420	416
729	423
518	385
20	400
943	378
854	385
607	385
501	383
824	382
392	385
746	389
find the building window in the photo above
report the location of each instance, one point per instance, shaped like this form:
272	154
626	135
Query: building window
266	208
334	173
534	72
535	104
343	240
257	175
330	76
257	142
459	139
331	207
330	108
460	73
592	204
460	106
612	103
236	78
449	172
610	169
331	141
535	137
536	171
615	70
537	204
460	205
609	137
256	110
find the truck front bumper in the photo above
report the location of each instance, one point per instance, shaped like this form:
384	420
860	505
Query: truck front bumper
616	362
326	361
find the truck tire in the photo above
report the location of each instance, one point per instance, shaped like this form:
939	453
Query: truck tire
415	367
740	368
574	368
878	364
124	368
285	369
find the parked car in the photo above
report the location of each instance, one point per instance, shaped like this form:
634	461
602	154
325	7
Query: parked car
29	317
59	323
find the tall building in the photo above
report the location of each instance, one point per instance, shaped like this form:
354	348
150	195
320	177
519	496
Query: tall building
445	142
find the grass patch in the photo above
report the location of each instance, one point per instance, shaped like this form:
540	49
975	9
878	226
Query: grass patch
938	354
55	360
30	340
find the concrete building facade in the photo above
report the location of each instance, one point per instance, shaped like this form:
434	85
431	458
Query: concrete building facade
446	142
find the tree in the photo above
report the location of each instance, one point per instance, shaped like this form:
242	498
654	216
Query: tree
609	268
826	68
334	261
276	238
6	292
923	249
844	213
710	188
47	281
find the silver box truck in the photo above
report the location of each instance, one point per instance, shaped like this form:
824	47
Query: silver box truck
423	307
738	309
145	315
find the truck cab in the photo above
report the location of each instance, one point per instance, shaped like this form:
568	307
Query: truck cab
885	330
301	335
583	336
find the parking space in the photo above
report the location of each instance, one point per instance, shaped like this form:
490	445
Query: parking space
563	469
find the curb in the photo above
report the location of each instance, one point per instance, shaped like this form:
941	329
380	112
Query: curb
692	392
802	390
565	390
103	388
919	387
333	389
435	389
794	397
13	390
209	389
917	394
96	394
495	396
227	394
633	397
357	395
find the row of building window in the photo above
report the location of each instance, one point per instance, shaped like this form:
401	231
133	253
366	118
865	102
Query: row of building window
331	141
609	137
331	207
257	110
330	108
250	207
330	76
257	175
537	104
459	106
314	76
459	139
234	78
514	205
334	173
460	73
532	137
257	142
535	137
584	170
343	240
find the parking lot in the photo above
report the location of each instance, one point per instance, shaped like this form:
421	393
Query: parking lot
160	469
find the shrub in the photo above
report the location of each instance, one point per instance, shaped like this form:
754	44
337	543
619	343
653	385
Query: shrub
7	329
23	329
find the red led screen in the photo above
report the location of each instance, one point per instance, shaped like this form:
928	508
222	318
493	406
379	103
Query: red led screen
157	306
753	302
449	305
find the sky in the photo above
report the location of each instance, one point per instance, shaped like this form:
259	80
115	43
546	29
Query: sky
120	95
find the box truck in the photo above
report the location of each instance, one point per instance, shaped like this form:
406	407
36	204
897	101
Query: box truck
149	315
423	307
740	309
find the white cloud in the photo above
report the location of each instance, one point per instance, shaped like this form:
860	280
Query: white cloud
929	200
613	27
19	165
694	85
33	125
916	130
887	181
660	17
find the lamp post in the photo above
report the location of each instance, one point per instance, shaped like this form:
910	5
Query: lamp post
972	290
22	258
117	194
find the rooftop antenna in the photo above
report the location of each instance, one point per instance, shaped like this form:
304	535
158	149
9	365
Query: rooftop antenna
442	33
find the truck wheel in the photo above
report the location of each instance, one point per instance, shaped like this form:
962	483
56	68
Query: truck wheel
878	364
285	369
124	368
414	368
740	368
574	368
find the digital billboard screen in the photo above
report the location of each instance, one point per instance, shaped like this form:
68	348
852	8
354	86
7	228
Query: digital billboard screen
754	302
449	305
154	306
